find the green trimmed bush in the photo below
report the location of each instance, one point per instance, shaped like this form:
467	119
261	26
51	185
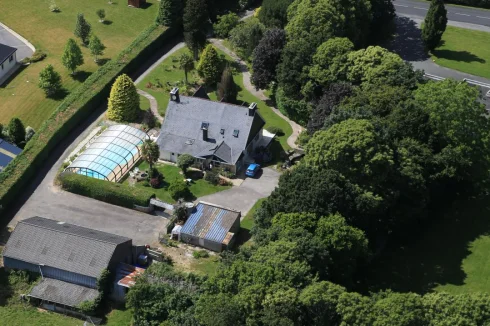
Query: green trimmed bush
200	254
75	108
106	191
178	189
275	130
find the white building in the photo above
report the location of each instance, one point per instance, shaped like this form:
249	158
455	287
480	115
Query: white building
8	60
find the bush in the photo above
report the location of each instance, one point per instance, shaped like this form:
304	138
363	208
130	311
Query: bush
109	192
74	109
178	189
275	130
225	24
200	254
212	177
184	161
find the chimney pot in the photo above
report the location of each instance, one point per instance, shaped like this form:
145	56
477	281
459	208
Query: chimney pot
252	108
174	95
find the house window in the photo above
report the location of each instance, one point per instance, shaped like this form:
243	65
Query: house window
222	131
11	58
235	132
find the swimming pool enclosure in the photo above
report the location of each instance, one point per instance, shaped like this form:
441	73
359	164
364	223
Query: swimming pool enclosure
111	155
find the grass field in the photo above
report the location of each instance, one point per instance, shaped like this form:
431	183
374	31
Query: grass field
465	50
452	255
169	72
49	32
198	188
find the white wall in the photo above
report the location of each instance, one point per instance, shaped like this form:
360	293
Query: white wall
7	66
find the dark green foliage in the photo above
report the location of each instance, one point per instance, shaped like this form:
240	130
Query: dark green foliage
178	189
16	132
72	56
150	152
297	110
170	13
82	29
210	65
382	24
195	19
273	13
101	14
247	35
186	63
434	24
227	89
184	161
275	130
212	177
266	57
200	254
225	24
472	3
109	192
49	81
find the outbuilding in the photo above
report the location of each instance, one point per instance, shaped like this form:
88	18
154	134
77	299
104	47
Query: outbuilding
211	226
8	60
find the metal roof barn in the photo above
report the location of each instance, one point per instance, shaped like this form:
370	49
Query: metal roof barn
211	226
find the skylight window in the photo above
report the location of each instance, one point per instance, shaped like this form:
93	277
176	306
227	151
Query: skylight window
204	125
222	131
235	132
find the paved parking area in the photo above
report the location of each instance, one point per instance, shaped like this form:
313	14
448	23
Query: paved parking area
10	39
243	197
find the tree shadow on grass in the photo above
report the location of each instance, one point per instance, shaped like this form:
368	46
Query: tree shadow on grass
461	56
407	41
107	22
433	256
81	75
102	61
6	290
59	95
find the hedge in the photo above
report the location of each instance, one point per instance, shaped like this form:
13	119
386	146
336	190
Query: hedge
106	191
471	3
74	109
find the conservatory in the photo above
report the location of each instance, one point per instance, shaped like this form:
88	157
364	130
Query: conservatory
111	155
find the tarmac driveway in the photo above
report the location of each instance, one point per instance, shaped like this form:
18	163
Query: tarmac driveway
243	197
7	38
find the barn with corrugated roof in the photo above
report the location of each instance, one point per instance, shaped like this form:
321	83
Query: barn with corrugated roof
211	226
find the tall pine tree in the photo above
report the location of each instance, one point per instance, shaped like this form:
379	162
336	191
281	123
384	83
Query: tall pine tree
72	56
434	25
209	66
124	100
170	13
195	19
227	89
82	28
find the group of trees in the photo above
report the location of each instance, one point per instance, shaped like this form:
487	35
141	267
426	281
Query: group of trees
72	57
16	133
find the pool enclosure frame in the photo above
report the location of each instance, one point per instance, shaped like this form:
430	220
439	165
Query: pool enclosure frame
111	154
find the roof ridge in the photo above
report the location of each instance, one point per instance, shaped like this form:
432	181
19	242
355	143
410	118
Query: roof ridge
205	99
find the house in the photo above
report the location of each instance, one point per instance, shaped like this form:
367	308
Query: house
7	153
216	133
211	226
68	257
8	60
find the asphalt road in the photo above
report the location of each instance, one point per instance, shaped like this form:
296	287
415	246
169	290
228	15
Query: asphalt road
454	13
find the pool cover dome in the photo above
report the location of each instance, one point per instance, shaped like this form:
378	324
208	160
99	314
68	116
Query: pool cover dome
111	155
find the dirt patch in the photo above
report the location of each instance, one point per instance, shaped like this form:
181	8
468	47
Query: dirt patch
181	255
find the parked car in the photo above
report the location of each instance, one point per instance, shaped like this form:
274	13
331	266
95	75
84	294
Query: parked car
252	170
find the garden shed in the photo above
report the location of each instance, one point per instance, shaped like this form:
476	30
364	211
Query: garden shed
136	3
211	226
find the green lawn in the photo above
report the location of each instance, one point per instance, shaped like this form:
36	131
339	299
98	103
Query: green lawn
452	255
465	50
168	71
207	266
198	188
49	32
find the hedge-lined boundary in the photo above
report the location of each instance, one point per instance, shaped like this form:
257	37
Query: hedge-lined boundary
75	108
471	3
109	192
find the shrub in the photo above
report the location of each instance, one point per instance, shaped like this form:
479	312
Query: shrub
53	7
38	56
209	66
109	192
101	14
212	177
184	161
275	130
200	254
124	102
178	189
49	81
225	24
74	109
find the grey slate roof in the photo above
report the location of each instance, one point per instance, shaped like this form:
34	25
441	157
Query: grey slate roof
5	52
69	247
62	292
182	126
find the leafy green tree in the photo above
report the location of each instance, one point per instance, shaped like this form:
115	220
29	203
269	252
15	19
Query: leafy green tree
49	81
184	161
330	61
246	36
16	131
219	309
72	56
225	24
227	90
320	300
273	13
124	100
266	57
101	14
96	47
82	28
434	24
150	152
186	63
209	66
195	19
169	13
178	189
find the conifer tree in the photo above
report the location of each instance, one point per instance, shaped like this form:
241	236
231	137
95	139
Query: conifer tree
123	101
170	13
194	19
16	131
227	89
82	28
209	65
434	25
96	47
72	56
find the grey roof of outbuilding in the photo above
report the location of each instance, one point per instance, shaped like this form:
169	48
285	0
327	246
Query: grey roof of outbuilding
62	292
5	52
182	126
69	247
